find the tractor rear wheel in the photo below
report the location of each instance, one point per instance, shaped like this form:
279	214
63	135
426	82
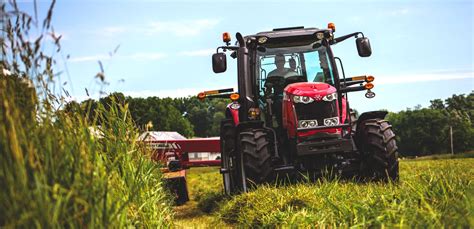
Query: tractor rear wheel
378	147
256	149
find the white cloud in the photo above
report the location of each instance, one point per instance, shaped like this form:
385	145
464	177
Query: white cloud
202	52
114	30
89	58
423	77
144	56
182	27
178	28
399	12
133	56
173	93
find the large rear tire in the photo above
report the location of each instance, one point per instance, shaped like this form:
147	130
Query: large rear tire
256	149
378	147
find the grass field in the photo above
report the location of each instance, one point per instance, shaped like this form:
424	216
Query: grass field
203	184
431	193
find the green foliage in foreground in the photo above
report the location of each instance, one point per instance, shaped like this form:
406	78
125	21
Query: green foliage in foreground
430	194
55	172
58	169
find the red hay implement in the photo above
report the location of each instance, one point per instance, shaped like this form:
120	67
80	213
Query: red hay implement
174	154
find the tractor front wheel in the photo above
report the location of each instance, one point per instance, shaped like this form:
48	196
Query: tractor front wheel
256	149
379	155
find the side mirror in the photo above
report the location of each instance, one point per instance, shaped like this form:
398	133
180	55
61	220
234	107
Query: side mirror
363	47
219	62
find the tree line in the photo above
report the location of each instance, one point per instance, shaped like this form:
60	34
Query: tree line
420	131
423	131
187	116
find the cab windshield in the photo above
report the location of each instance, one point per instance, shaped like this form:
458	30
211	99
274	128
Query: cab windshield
293	64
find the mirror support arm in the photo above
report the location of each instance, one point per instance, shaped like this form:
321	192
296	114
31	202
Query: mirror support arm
225	48
342	38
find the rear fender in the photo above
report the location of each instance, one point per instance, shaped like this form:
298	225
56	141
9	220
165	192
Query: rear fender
362	118
254	124
371	115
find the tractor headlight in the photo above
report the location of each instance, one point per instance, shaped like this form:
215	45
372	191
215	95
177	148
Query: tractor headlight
302	99
331	121
330	97
319	36
307	123
262	40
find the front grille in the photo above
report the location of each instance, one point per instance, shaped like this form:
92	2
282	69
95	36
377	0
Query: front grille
317	110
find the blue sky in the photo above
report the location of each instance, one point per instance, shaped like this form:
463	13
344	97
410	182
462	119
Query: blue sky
422	50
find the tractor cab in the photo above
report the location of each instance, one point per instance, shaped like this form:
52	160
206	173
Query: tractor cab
291	115
279	68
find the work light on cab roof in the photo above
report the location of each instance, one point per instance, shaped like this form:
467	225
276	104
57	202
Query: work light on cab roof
226	38
332	26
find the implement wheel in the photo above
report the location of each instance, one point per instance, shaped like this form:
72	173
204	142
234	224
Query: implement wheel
229	174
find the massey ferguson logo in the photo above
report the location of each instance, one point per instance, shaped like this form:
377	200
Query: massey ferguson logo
163	145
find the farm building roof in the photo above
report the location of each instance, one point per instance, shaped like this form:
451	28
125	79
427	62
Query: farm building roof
160	136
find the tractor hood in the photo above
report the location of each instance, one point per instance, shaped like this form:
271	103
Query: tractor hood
310	89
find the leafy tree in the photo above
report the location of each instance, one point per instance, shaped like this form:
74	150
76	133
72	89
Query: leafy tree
202	120
420	132
202	114
437	104
426	131
161	113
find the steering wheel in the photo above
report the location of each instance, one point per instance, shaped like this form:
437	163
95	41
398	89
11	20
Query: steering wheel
295	79
276	83
275	80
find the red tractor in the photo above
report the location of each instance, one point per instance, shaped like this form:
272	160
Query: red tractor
291	115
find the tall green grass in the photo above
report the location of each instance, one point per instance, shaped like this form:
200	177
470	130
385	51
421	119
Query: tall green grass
432	194
55	171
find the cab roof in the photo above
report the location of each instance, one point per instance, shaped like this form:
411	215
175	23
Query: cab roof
292	36
290	31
